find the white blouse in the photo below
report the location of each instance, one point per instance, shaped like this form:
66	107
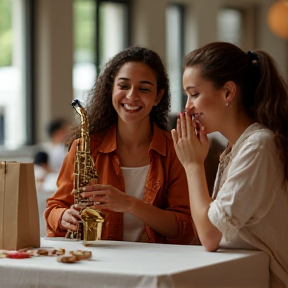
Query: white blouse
135	179
250	201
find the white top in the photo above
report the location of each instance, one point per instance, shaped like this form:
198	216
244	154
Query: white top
250	201
56	154
45	181
135	179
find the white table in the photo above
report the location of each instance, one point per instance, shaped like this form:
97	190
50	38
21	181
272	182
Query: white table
128	264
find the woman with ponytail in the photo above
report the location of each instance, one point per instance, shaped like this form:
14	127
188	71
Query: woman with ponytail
242	96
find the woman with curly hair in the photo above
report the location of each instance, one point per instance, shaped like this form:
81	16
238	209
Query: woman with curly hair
243	96
142	188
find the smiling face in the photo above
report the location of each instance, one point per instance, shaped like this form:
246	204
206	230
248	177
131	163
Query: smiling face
135	92
203	97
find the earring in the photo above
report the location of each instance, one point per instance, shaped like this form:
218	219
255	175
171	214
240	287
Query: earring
227	104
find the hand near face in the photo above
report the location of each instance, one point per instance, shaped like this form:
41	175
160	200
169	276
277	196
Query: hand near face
71	218
108	197
190	141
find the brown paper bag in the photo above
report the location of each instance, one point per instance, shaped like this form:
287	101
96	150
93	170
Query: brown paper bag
19	219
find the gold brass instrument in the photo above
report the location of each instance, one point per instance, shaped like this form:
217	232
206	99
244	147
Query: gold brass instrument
90	226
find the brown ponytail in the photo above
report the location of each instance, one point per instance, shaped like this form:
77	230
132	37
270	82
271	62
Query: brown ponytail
271	104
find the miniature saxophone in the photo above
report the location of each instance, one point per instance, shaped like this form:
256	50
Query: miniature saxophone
90	227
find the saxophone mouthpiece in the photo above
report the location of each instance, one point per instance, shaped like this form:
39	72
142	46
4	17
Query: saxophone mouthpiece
76	104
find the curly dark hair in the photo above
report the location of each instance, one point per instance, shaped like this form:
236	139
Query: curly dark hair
263	91
100	111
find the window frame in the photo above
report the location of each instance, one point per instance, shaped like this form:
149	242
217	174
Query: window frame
181	96
29	21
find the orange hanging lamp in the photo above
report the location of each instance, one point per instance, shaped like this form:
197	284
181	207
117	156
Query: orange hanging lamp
277	18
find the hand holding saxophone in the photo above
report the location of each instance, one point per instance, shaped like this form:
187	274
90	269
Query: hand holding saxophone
108	197
71	218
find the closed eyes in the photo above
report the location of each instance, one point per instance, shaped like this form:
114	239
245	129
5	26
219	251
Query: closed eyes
125	87
195	95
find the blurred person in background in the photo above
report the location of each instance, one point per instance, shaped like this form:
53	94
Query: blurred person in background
50	155
57	130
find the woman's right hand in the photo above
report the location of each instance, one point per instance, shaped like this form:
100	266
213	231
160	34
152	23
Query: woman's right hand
190	141
70	218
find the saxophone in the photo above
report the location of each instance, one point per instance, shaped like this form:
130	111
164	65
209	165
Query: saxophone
90	226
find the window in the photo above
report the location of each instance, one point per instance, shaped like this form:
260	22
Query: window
174	36
113	29
230	25
15	73
84	70
101	30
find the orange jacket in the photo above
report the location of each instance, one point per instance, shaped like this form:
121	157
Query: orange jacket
166	187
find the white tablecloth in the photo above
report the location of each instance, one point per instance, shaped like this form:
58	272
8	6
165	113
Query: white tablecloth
128	264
